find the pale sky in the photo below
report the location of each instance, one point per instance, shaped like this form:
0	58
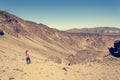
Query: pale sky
66	14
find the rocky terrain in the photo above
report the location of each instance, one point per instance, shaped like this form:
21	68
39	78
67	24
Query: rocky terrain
55	55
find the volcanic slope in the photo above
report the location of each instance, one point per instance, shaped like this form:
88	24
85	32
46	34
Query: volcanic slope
47	48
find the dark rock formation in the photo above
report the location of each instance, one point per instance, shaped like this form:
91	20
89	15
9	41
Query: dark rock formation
115	51
1	33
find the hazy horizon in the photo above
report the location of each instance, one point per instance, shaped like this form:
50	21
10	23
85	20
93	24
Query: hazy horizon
65	14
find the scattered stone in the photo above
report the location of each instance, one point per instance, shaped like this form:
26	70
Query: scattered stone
64	69
25	73
3	70
7	67
11	78
69	64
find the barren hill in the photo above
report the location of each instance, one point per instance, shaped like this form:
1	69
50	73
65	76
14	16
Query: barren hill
45	45
50	42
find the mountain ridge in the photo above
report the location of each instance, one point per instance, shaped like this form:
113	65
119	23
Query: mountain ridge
97	30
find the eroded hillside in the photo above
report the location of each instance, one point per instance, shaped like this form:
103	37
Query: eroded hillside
50	42
48	47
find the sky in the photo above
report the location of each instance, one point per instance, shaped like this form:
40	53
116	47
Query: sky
66	14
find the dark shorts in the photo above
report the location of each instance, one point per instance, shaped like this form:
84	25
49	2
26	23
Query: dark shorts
27	58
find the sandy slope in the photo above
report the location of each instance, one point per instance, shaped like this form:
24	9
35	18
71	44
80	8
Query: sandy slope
13	67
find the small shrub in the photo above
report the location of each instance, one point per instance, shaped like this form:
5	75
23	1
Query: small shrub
111	58
18	70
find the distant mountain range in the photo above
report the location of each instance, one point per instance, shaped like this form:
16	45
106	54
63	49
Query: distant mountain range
97	30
